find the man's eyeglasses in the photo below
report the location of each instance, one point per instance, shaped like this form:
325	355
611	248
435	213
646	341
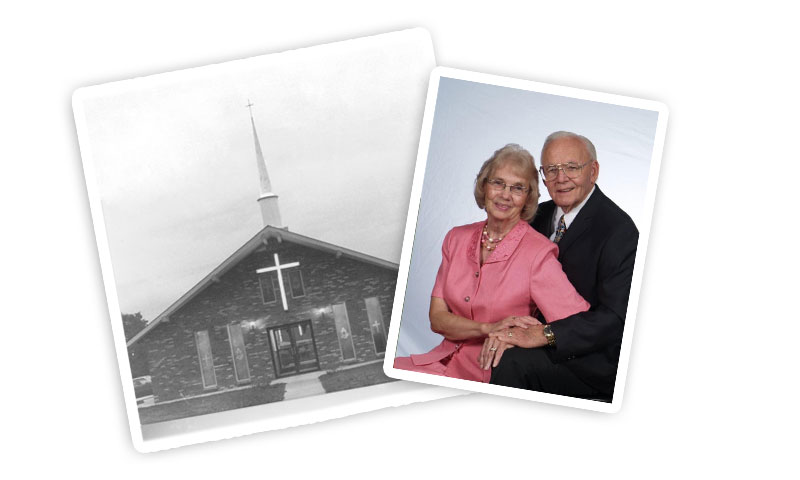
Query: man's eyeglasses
571	170
499	186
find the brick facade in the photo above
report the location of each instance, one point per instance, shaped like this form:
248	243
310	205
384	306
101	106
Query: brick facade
235	297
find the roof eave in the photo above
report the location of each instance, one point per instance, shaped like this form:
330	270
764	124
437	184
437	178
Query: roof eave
259	238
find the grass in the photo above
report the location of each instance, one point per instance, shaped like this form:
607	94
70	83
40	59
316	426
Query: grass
371	374
257	395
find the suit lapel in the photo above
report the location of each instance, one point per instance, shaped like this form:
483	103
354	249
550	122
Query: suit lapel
543	220
579	226
582	222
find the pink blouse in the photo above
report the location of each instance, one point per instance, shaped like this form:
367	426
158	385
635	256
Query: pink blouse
519	276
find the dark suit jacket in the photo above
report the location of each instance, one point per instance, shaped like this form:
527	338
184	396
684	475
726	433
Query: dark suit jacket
597	254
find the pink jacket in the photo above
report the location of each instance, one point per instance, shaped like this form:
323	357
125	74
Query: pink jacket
521	275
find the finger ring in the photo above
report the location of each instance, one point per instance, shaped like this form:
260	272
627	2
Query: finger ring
510	334
493	349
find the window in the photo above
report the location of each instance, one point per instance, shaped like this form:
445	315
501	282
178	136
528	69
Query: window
241	368
206	359
343	332
376	324
269	287
296	283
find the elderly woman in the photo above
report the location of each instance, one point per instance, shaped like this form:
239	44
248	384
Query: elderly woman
494	274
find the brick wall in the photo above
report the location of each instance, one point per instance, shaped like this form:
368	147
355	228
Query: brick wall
236	298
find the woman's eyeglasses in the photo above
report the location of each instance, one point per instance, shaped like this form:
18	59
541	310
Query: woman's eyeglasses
499	186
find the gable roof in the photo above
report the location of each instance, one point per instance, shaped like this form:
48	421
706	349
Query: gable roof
249	247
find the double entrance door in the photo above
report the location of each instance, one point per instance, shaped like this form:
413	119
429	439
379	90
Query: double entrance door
293	349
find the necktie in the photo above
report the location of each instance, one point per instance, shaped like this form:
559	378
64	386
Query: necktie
562	227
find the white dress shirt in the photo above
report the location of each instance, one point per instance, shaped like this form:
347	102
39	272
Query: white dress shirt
569	217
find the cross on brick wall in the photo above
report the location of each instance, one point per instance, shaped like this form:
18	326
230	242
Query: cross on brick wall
277	268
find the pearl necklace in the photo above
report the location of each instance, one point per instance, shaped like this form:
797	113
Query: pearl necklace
488	242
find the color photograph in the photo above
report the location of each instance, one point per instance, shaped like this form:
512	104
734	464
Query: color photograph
525	241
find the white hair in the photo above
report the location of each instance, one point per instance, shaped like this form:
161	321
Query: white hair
562	134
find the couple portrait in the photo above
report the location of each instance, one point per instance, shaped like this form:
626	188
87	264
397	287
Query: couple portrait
534	294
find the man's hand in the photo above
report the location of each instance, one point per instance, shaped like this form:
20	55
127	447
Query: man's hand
514	321
531	337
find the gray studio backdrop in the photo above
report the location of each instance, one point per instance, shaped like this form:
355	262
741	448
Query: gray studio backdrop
471	121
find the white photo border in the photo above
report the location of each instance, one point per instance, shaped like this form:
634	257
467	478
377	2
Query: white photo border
437	75
243	421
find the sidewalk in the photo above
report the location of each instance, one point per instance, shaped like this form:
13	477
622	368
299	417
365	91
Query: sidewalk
301	386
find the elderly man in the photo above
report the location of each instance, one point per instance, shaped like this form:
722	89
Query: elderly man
577	355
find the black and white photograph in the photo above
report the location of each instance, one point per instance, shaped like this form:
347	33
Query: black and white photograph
518	266
132	197
252	214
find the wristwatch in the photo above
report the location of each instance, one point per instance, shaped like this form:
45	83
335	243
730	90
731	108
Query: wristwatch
549	335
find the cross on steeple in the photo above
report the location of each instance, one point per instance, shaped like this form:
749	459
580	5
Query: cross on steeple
277	268
250	106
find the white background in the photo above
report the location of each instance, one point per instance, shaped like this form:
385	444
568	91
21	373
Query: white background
711	386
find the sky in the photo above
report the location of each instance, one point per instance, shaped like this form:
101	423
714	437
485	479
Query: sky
471	121
175	166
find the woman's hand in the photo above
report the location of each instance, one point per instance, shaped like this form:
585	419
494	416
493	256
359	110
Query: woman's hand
513	321
491	352
494	346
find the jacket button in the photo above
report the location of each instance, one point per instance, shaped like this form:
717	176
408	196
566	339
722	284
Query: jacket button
477	273
466	299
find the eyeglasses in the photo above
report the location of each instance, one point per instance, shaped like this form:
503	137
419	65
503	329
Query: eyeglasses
499	186
571	170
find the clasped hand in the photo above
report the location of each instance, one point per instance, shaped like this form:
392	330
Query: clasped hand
507	333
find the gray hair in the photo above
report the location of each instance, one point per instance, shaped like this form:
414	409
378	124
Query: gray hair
523	164
562	134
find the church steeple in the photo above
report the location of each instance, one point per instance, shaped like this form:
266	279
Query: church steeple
268	201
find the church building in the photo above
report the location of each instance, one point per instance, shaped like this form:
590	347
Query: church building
283	304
